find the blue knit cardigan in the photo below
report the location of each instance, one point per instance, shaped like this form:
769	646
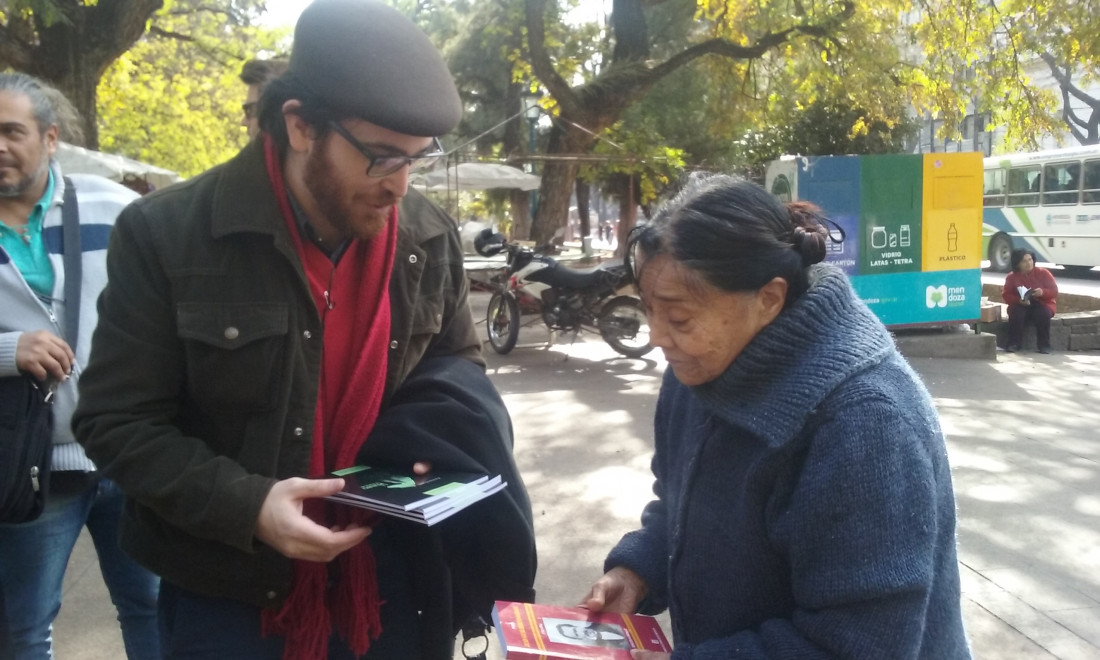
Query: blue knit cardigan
804	504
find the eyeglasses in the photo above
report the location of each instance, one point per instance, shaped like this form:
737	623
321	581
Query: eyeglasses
250	109
385	165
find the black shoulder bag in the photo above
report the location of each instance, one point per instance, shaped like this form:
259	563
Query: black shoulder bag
26	414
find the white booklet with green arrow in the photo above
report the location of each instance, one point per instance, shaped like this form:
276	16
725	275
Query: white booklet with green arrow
426	498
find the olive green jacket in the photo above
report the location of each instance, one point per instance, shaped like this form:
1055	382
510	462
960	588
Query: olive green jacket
202	384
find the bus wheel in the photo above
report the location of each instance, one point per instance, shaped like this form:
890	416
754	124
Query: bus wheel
1000	253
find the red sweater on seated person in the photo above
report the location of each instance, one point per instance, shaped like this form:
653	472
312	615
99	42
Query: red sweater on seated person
1037	278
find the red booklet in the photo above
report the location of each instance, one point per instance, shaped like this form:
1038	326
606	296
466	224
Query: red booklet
544	632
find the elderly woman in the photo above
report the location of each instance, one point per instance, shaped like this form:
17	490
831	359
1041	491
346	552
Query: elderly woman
804	505
1032	296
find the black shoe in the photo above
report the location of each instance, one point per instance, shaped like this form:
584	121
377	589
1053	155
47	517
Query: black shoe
1045	350
1012	349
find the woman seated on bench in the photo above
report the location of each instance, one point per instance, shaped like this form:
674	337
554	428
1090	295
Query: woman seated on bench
1031	295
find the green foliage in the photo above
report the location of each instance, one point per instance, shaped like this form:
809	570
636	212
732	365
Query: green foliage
826	127
942	58
46	11
637	150
174	100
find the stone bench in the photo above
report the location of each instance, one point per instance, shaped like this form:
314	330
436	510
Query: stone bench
1075	331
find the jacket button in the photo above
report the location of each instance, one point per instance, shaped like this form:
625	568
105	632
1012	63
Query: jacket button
232	333
393	344
298	431
307	334
271	595
412	258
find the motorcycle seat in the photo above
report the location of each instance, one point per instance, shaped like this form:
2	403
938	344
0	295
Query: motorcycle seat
582	278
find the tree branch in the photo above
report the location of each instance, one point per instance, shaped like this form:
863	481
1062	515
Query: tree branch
727	49
118	24
539	58
168	34
1065	82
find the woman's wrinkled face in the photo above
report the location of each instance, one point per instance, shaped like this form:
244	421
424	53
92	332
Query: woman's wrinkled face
700	328
1026	264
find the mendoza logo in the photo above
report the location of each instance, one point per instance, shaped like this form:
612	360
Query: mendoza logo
935	296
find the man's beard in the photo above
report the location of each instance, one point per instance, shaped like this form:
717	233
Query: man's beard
21	186
321	180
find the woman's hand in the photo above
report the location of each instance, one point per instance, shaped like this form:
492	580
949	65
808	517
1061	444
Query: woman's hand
619	590
1036	293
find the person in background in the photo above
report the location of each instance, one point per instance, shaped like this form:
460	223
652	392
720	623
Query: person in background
288	314
257	74
1032	297
804	503
33	555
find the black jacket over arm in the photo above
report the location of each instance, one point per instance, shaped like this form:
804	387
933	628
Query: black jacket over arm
447	412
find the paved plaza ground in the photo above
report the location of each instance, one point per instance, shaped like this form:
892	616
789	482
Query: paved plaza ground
1023	438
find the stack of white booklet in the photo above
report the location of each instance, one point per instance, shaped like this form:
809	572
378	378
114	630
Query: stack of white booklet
425	499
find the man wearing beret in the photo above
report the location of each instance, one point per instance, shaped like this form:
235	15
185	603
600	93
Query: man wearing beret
289	313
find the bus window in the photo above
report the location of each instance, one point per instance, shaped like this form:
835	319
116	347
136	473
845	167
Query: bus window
1061	183
994	194
1091	192
1023	186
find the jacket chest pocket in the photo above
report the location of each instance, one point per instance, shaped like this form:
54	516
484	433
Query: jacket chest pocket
427	317
234	352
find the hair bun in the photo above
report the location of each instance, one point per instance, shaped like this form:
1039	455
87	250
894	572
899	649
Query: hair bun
809	244
809	234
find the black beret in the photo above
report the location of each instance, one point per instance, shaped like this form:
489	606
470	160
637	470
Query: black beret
365	59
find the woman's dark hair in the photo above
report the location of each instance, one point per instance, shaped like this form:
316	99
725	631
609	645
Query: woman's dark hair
1018	255
735	235
311	109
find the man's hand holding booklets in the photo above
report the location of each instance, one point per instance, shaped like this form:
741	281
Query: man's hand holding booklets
424	498
528	632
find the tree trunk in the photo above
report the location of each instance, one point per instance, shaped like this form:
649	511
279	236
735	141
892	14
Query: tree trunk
521	214
80	88
72	53
557	182
584	196
628	216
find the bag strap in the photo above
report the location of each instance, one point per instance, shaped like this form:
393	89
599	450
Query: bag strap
475	627
70	221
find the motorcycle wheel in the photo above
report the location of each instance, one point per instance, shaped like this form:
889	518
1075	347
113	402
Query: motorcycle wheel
502	321
623	326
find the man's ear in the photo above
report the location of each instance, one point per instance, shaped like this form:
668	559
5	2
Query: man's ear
300	134
50	136
771	297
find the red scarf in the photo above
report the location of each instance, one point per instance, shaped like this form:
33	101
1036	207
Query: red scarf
353	375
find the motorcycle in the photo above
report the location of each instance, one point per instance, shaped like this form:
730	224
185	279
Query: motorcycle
567	299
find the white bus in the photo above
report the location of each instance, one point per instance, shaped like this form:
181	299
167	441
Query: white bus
1048	202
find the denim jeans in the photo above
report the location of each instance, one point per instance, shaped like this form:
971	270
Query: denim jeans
33	557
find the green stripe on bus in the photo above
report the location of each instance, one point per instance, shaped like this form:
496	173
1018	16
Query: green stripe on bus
1025	219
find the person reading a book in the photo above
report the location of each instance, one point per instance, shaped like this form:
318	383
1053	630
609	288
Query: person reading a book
1032	297
804	506
293	312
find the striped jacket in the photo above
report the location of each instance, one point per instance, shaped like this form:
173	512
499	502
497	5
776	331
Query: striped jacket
100	201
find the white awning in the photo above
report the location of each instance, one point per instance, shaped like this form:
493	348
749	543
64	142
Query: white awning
476	176
78	160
